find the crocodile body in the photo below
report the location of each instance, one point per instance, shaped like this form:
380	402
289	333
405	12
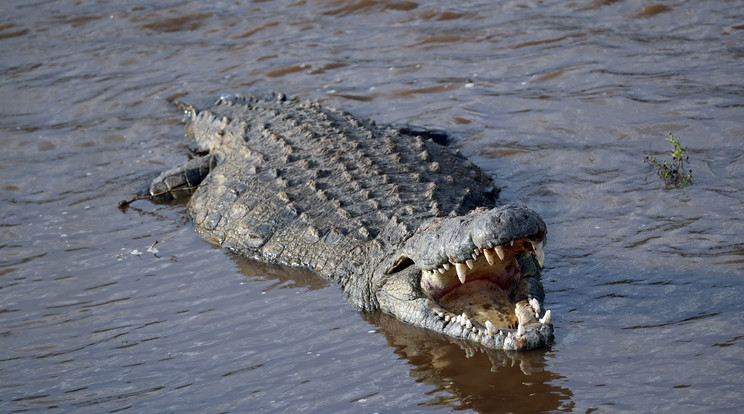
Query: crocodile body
403	224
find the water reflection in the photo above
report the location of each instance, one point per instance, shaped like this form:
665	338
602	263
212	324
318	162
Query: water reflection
464	375
468	376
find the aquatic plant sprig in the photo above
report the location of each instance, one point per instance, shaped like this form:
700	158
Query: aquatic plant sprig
673	173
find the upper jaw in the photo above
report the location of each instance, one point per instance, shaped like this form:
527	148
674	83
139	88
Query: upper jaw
454	239
497	264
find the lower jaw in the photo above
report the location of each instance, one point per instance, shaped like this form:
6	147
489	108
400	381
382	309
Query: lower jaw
527	336
482	311
482	301
479	305
484	298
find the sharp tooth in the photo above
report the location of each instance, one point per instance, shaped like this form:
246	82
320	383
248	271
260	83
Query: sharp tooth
489	256
468	324
499	251
470	264
441	270
490	328
463	319
520	330
457	319
539	253
461	271
475	256
447	318
476	252
446	266
511	243
535	305
546	319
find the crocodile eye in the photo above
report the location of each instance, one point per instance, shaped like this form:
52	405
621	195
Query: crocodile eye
400	263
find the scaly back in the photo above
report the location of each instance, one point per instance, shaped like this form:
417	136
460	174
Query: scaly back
307	185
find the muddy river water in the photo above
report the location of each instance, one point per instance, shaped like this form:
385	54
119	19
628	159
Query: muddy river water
110	311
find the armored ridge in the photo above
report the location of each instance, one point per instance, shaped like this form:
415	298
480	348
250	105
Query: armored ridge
403	224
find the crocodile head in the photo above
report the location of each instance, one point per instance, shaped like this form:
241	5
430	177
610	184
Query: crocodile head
473	277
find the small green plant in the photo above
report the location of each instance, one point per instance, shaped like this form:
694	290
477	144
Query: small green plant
673	173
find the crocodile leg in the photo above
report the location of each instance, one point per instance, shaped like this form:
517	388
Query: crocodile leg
436	135
178	182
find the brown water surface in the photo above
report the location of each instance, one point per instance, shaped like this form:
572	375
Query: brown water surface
110	311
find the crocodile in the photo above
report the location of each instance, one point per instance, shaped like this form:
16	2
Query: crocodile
403	223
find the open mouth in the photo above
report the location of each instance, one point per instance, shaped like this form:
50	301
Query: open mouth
485	293
478	277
